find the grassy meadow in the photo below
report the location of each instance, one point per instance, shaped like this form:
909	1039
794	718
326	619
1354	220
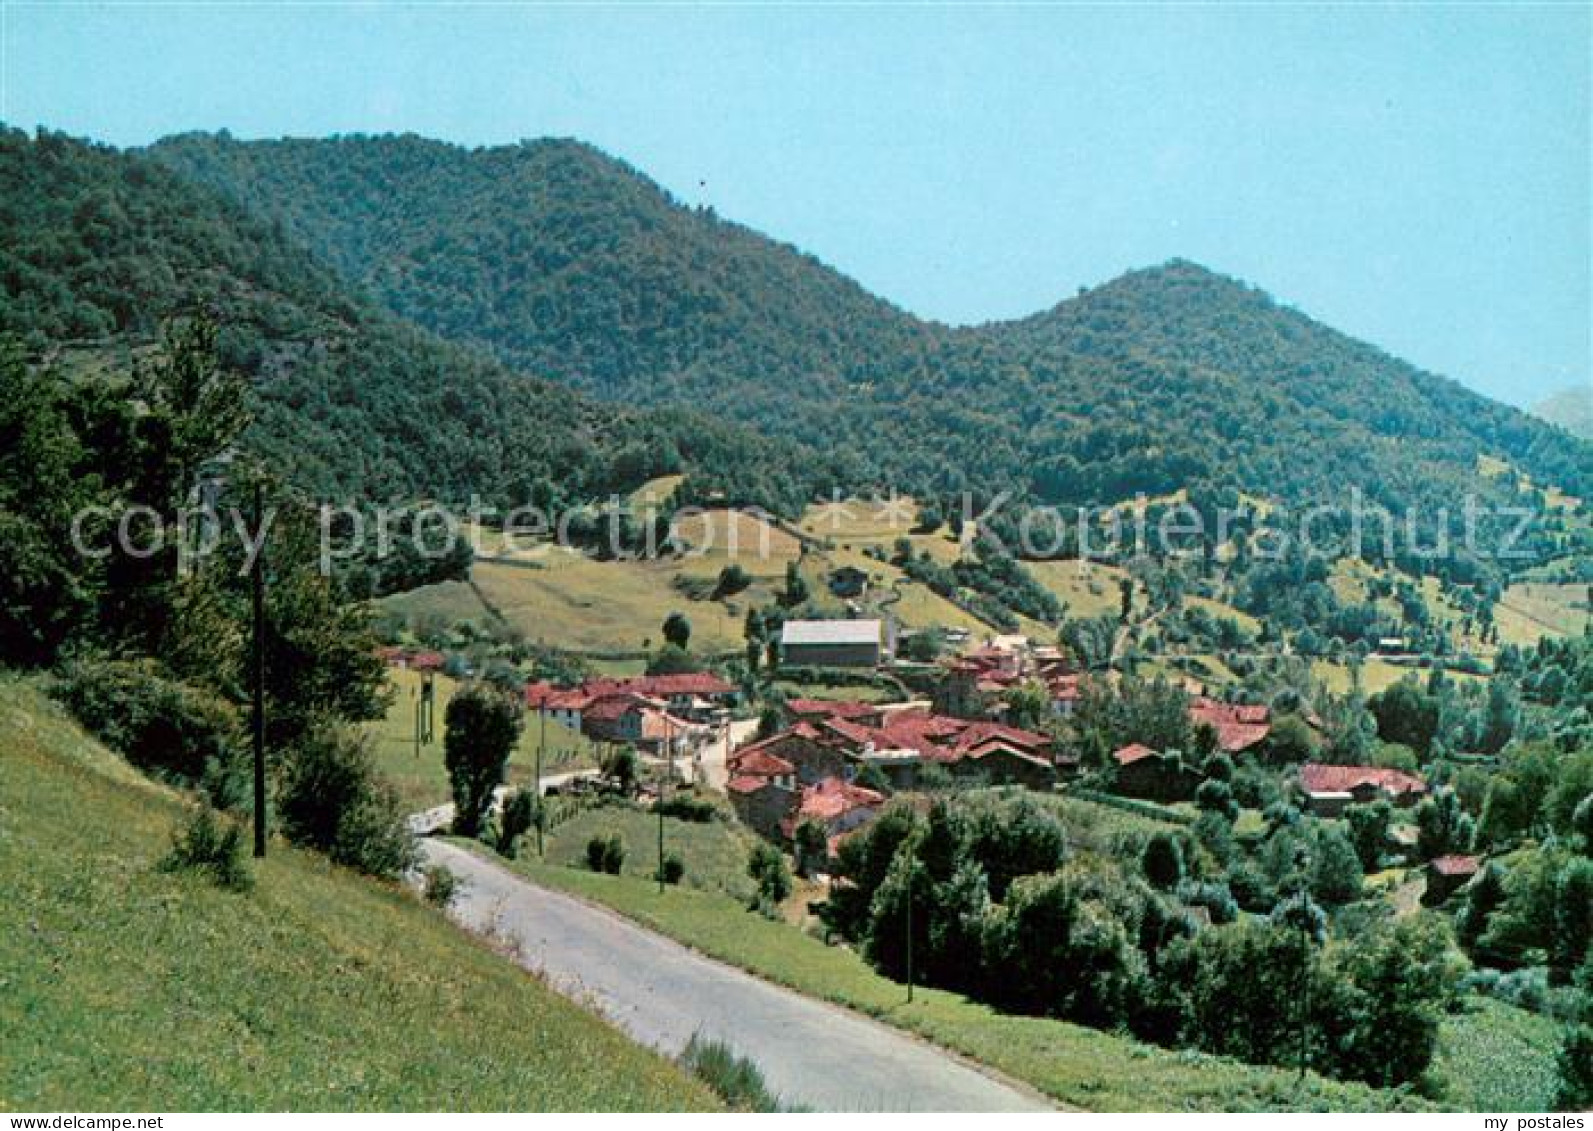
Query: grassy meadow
423	781
124	987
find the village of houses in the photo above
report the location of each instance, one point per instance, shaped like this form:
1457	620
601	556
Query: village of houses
836	763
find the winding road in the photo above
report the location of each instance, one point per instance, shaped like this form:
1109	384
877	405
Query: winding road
812	1054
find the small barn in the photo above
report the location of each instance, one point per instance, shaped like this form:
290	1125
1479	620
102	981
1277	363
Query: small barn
832	643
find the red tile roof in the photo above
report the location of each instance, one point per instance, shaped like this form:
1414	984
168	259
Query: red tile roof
830	708
681	683
1317	778
747	784
757	760
829	799
1133	752
1455	865
544	696
609	708
1238	726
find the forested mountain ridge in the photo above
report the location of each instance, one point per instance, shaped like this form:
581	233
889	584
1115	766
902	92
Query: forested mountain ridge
574	265
103	246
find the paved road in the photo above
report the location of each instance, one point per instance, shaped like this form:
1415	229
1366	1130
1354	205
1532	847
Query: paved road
811	1054
440	817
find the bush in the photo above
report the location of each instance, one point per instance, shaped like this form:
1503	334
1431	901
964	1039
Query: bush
766	865
519	813
156	723
330	798
441	886
735	1079
606	854
482	726
1163	861
213	847
684	807
672	870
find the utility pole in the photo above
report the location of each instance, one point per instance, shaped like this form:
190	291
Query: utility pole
910	866
257	601
669	763
542	740
1305	967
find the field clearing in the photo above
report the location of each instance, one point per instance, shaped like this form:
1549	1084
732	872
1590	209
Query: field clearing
1495	1057
584	605
423	782
714	852
1223	610
1077	1065
1088	589
860	523
136	989
451	601
1529	610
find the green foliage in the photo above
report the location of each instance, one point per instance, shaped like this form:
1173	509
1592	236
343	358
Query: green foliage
1574	1070
672	870
518	814
719	318
677	630
767	867
606	854
329	798
1163	861
212	846
440	886
1442	826
157	723
483	725
811	843
1369	831
734	1079
621	766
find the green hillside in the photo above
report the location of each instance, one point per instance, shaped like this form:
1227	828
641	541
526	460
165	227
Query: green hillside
573	264
123	987
102	247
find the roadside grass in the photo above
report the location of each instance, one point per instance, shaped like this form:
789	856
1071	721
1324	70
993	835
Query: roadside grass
1076	1065
714	852
125	987
1496	1057
423	782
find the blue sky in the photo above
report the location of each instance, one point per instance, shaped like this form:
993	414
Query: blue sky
1418	176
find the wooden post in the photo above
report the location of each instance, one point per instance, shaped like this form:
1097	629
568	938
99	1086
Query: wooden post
257	673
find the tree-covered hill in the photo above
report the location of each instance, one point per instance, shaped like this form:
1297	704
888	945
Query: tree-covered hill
574	265
102	247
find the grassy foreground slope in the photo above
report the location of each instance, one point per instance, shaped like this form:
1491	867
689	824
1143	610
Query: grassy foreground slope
122	987
1080	1066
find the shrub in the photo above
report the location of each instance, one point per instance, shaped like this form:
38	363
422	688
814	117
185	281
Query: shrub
1163	861
735	1079
441	887
1216	796
1574	1070
213	847
685	807
1214	897
157	723
672	870
596	849
519	813
330	798
766	865
483	725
